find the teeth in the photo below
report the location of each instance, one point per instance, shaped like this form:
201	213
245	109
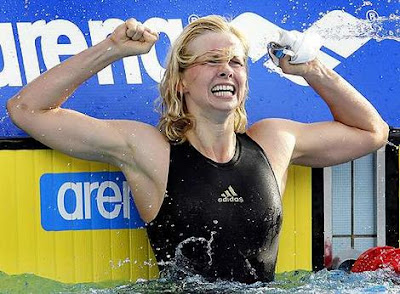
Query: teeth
222	93
223	88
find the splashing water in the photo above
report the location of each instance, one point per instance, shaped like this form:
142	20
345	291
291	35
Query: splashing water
386	28
375	27
300	281
324	281
181	266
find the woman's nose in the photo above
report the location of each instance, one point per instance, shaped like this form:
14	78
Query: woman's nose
225	71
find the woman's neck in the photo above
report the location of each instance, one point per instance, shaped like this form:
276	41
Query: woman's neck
215	141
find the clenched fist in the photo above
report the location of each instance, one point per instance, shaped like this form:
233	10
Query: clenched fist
133	38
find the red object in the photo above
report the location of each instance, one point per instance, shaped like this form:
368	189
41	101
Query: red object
328	257
376	258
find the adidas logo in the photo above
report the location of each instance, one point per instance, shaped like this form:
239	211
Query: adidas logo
230	195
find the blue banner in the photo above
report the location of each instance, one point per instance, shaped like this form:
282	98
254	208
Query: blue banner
87	201
361	41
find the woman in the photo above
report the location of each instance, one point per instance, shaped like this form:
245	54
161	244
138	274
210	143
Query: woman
207	185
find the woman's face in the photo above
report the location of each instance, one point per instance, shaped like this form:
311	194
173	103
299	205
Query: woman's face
216	82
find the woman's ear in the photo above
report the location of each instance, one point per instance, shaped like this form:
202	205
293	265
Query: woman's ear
181	87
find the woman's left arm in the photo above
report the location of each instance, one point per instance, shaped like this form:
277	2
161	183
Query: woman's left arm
357	129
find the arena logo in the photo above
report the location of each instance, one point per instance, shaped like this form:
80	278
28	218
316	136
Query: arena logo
262	31
79	201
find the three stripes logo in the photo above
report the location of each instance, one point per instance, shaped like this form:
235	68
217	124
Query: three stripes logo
229	195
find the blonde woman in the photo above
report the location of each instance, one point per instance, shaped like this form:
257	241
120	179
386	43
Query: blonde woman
208	185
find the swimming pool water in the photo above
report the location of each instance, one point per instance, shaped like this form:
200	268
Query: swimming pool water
324	281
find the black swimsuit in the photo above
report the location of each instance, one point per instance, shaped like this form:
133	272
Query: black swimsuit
223	219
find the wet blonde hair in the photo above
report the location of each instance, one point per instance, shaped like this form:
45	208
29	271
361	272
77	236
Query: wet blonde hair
175	119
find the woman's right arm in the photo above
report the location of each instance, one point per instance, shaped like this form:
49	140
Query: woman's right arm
37	107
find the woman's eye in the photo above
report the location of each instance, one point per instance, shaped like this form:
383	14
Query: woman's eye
236	62
213	62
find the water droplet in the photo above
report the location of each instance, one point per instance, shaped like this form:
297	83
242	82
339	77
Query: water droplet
392	145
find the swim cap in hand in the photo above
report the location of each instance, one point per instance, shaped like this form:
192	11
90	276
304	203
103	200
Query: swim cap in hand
302	47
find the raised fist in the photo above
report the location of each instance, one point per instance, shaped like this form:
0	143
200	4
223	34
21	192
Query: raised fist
133	38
